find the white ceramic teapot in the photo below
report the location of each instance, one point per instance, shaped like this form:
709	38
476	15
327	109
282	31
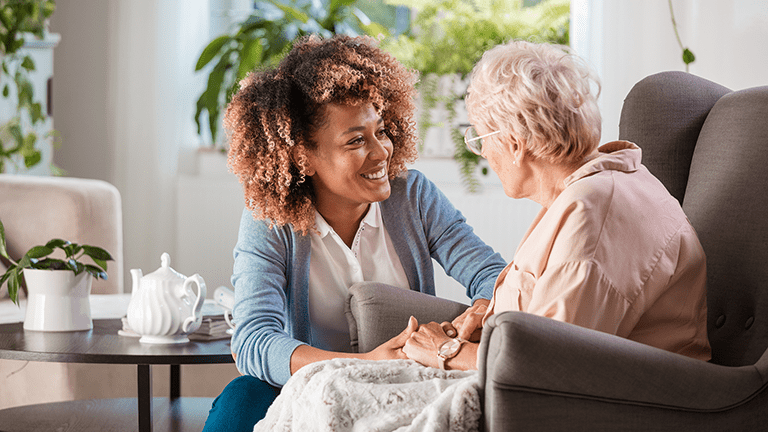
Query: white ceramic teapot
163	308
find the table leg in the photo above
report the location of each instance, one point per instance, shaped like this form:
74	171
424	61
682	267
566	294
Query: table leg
175	381
145	398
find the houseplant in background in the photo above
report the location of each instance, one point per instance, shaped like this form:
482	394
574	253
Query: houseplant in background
266	36
450	36
688	56
20	19
57	289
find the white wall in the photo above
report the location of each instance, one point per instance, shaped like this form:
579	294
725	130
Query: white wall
124	92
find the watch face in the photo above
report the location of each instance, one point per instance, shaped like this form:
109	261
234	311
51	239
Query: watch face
449	347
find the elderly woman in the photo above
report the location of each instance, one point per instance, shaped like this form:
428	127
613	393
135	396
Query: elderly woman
611	249
320	144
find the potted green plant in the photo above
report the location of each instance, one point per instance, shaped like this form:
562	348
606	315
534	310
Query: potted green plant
265	37
20	19
450	36
57	289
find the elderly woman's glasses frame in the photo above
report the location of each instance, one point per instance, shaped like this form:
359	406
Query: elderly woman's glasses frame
474	141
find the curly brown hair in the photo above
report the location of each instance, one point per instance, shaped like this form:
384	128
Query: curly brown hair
279	109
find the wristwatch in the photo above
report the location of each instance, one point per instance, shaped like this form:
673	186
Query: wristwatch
447	350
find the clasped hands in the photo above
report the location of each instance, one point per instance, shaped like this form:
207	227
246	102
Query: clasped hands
420	342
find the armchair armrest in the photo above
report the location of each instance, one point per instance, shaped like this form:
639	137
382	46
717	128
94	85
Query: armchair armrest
378	312
522	356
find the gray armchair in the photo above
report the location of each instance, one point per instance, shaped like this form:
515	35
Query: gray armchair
708	145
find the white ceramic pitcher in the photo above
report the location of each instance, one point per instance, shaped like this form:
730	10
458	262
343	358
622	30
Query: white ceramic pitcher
163	308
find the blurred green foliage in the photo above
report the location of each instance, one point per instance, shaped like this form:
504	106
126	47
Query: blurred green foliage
19	19
450	36
267	35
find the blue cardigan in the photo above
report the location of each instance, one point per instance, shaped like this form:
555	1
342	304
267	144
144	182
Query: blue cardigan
271	271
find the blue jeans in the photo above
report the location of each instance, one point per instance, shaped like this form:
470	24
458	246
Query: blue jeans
241	405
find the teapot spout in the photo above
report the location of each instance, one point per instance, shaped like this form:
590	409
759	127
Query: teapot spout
136	275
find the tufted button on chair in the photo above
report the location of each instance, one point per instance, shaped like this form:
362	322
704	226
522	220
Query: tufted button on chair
709	146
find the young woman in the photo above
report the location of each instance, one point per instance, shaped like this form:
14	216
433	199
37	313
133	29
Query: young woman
320	144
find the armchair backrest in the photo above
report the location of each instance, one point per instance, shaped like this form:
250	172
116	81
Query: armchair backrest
35	209
709	146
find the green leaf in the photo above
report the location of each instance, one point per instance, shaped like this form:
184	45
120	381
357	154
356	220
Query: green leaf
15	45
688	56
26	91
211	96
97	253
39	252
28	144
252	26
211	50
32	159
24	262
36	113
48	8
72	249
15	131
290	11
3	250
76	266
336	8
95	272
250	57
5	276
28	63
100	263
335	4
56	243
13	286
201	102
50	264
375	29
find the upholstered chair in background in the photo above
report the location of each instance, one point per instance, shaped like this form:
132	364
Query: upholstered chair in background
35	209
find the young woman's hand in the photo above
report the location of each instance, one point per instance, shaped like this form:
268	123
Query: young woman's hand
393	348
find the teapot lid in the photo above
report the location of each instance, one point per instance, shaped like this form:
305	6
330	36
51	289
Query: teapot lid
165	272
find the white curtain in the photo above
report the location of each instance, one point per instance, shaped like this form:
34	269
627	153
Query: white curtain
628	40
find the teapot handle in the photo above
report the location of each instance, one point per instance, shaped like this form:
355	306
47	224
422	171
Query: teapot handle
198	307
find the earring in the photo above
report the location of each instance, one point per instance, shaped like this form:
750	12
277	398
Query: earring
514	162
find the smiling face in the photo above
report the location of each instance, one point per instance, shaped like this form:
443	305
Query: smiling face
349	166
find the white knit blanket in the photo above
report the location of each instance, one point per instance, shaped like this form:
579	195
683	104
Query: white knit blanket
359	395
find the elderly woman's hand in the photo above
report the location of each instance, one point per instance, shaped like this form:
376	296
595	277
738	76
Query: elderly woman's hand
422	345
468	325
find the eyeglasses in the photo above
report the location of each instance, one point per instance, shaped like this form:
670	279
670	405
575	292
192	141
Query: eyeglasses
474	141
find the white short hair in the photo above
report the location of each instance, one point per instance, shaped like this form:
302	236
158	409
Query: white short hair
540	95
